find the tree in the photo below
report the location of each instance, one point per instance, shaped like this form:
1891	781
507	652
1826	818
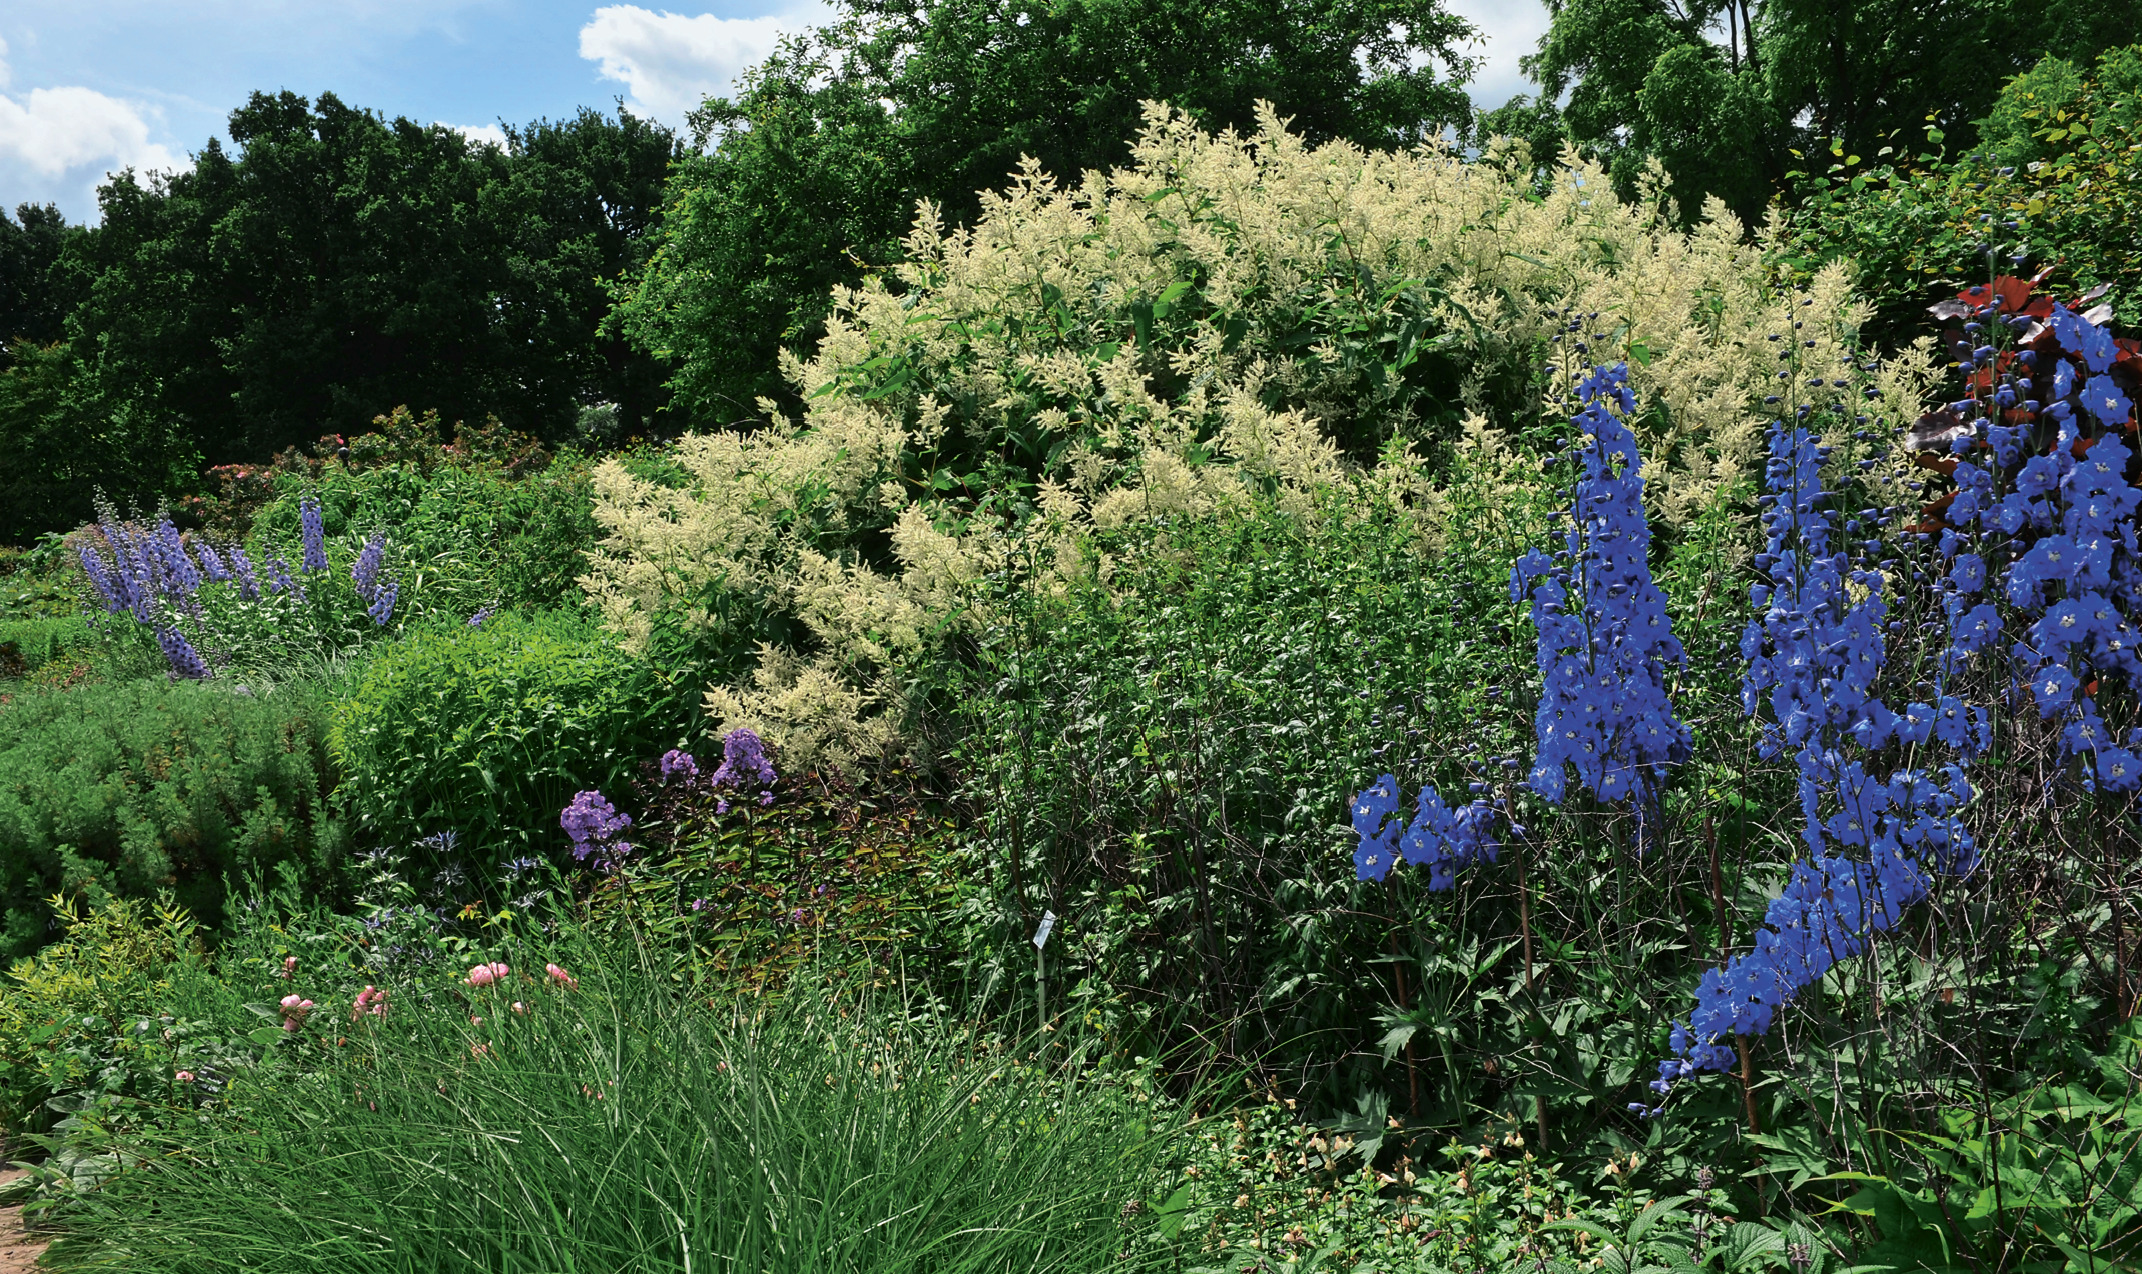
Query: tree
817	164
33	302
339	264
1722	92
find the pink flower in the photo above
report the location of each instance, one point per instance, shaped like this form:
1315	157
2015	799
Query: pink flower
184	1077
294	1011
486	974
289	967
561	977
520	1008
371	1000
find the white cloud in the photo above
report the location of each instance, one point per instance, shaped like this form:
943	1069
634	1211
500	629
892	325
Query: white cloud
671	62
482	134
59	144
1513	28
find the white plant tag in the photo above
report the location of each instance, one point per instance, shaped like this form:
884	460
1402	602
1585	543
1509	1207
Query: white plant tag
1041	935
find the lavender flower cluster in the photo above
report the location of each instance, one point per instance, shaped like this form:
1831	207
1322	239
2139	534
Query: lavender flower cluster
595	826
1604	638
743	765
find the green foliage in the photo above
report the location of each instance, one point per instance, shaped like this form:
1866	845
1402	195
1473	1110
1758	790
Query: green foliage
488	520
832	141
334	266
2058	180
1722	91
2048	1179
821	1132
29	646
60	444
89	1017
33	300
830	877
486	732
130	788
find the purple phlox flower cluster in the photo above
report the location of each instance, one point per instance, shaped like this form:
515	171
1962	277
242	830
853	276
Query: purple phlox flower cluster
2065	529
185	661
744	764
1604	638
313	533
594	824
679	764
1439	839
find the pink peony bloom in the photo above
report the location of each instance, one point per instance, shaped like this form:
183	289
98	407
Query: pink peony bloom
294	1010
371	1000
561	977
486	974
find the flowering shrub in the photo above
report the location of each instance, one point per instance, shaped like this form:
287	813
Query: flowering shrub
1224	319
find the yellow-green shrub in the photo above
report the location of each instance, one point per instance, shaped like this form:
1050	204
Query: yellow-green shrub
1226	314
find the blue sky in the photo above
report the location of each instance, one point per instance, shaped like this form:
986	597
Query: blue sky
94	85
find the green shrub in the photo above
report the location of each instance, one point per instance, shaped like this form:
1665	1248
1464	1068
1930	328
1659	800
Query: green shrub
134	787
71	1016
619	1124
486	732
490	520
2059	159
28	645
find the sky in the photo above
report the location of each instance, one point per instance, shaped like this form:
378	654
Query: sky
93	86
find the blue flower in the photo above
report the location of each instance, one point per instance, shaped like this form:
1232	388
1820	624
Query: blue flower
2104	400
313	533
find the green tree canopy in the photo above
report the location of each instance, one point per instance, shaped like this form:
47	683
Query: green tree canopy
1722	92
815	167
337	264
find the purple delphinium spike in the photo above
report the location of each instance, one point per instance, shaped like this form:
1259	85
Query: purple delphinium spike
242	572
382	607
314	534
180	654
279	580
110	586
364	572
211	565
181	577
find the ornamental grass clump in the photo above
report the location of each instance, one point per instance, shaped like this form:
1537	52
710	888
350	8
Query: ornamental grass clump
614	1120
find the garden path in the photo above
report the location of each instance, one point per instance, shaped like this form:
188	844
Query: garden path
18	1251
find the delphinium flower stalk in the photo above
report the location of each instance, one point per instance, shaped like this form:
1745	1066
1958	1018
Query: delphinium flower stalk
242	574
1815	652
364	570
1439	840
314	534
2042	520
1604	639
185	661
